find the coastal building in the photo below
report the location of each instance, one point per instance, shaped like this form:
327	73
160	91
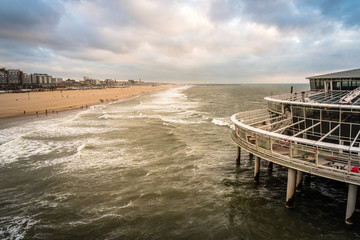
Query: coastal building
134	82
27	79
4	76
70	81
109	82
15	77
91	81
313	132
41	79
56	81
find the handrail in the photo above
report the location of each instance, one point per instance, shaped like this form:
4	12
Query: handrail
305	166
292	138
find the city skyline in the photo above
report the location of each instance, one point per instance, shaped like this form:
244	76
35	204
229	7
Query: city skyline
181	41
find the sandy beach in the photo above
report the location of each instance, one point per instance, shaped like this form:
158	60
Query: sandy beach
49	102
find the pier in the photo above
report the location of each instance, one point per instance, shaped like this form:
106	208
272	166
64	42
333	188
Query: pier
311	133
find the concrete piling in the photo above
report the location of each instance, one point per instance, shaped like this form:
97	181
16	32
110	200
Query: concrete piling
257	169
290	191
238	155
351	202
299	179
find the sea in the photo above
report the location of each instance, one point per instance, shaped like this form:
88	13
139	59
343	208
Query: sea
157	166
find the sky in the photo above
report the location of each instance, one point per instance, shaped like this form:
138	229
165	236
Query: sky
181	41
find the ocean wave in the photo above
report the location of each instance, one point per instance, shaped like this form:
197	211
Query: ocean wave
67	131
15	228
180	120
223	122
122	116
24	149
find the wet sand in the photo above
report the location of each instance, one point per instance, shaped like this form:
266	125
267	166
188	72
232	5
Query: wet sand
49	102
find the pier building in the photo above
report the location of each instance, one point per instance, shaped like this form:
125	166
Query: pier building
315	132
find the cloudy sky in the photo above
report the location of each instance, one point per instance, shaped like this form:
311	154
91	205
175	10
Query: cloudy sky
182	41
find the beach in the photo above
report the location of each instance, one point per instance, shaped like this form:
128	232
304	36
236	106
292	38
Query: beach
50	102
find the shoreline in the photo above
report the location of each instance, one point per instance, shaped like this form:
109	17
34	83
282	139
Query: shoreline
18	105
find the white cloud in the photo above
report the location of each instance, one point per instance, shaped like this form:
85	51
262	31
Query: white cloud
214	41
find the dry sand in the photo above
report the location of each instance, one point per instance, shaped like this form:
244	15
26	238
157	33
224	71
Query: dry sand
25	104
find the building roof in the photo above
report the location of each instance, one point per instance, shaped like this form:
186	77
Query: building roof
354	73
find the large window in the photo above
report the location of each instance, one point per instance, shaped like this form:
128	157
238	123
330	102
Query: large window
336	85
319	84
330	115
276	107
312	113
298	111
312	84
345	130
352	117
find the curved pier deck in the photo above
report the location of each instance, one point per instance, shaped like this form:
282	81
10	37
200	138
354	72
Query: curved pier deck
260	133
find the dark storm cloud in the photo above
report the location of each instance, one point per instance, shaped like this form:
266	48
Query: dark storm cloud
346	11
288	14
206	40
18	16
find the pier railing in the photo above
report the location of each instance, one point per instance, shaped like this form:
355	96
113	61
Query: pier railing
333	98
260	132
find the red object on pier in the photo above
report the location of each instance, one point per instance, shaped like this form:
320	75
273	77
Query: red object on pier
355	169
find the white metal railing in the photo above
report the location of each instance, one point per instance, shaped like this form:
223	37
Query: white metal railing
296	96
291	98
321	154
350	96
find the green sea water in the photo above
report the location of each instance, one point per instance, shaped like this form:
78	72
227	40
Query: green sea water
159	166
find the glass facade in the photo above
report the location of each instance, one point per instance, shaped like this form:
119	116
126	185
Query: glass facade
275	107
336	84
329	119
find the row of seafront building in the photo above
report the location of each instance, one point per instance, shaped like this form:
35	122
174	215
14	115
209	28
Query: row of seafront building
17	79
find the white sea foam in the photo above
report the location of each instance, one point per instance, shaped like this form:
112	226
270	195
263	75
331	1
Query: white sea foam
223	122
170	106
180	120
124	116
16	227
127	205
96	153
67	131
24	149
171	100
13	132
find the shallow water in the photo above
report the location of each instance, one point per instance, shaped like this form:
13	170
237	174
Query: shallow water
160	166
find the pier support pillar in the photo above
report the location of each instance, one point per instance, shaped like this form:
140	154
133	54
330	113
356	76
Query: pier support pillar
270	167
238	155
257	169
350	206
299	179
290	192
